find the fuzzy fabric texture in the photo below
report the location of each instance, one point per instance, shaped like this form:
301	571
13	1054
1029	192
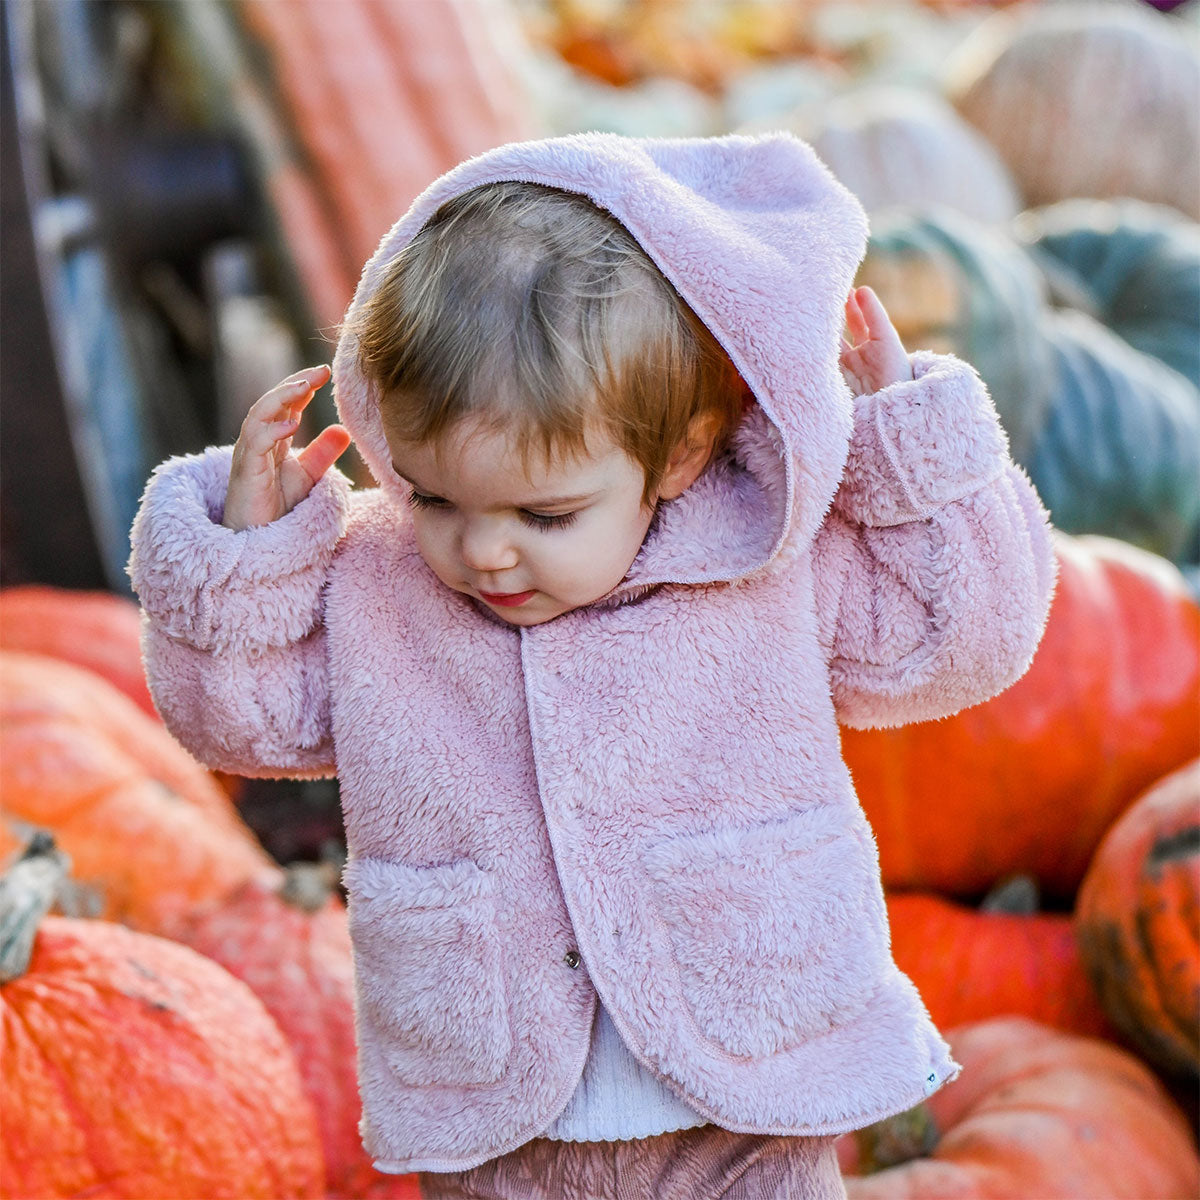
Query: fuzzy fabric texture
653	782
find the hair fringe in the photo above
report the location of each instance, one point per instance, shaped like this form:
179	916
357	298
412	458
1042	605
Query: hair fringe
534	311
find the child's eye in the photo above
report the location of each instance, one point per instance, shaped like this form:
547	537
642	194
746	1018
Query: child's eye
420	500
543	521
537	520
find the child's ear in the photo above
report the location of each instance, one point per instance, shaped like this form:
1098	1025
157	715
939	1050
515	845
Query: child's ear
690	456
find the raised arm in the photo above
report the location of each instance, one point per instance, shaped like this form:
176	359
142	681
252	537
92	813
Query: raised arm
233	635
934	570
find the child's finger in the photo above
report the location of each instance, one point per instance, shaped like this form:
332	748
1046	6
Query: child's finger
323	451
856	322
283	431
259	439
874	315
289	397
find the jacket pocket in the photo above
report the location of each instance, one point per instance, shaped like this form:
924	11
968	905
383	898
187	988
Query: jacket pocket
778	931
429	985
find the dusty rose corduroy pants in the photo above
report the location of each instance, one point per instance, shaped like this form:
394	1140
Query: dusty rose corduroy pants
705	1163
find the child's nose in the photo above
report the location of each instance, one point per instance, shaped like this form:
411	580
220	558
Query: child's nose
487	547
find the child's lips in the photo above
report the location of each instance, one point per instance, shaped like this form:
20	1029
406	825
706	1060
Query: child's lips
507	599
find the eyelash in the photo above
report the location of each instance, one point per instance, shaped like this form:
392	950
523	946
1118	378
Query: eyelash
534	520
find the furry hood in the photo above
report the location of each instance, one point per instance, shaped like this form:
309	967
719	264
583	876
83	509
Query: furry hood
763	243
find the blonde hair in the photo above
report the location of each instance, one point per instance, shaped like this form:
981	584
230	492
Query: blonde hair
533	310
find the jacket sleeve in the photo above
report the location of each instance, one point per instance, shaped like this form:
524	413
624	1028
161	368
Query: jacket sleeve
934	570
232	633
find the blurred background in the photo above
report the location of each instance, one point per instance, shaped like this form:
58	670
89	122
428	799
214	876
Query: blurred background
190	188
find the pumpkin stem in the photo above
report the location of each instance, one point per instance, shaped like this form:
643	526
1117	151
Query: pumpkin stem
308	886
897	1139
27	891
1016	896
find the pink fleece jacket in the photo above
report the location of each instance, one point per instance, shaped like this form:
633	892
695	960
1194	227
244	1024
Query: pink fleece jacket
644	799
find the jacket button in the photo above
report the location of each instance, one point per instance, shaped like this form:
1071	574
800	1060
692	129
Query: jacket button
571	958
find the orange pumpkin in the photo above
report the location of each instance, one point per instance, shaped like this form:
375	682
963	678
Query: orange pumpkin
149	831
137	1067
291	945
1031	780
1138	922
1035	1113
96	630
970	965
37	692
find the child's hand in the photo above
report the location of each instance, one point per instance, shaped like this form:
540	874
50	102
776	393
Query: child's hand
265	481
872	353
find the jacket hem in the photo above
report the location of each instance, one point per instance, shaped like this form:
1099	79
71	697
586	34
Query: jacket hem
830	1128
400	1166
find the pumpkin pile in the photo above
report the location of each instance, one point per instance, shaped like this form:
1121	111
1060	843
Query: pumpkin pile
194	930
1074	783
122	1077
1040	852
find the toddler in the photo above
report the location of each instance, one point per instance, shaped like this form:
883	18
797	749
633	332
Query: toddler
648	527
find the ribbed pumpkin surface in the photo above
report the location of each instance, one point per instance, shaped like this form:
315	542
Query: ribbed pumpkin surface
1038	1114
96	630
38	693
970	965
299	965
1138	920
1137	265
1030	780
136	1068
1119	453
1108	431
1086	100
81	760
356	79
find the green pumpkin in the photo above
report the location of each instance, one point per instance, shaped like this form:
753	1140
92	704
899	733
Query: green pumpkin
953	284
1137	265
1119	453
1109	434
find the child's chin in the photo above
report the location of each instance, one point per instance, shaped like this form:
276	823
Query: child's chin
537	611
528	616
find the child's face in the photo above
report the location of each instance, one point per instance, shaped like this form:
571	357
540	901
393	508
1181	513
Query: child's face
530	547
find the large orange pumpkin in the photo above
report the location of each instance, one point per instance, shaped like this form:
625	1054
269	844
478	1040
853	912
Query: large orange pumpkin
970	965
99	631
96	630
1037	1114
149	831
38	692
1031	780
1138	922
135	1067
290	943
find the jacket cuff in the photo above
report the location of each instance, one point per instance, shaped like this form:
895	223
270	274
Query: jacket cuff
921	444
218	589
